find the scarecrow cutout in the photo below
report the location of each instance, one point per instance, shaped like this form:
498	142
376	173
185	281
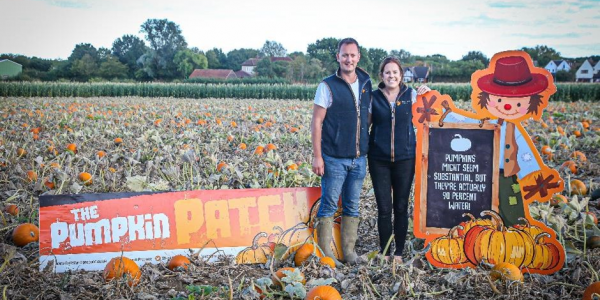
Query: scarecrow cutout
477	172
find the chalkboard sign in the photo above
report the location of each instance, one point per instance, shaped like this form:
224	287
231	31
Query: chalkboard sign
462	174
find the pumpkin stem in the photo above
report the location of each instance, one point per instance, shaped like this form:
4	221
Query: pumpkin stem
256	238
496	219
454	229
527	224
540	236
472	217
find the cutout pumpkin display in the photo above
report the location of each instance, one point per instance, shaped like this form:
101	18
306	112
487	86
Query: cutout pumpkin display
122	267
255	254
499	244
25	233
547	256
179	262
449	250
506	271
323	292
505	96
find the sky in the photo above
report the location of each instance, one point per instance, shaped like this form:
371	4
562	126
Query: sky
52	28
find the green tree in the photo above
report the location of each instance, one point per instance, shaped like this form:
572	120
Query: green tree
84	68
324	50
273	49
264	68
82	49
165	40
112	68
216	59
542	54
365	61
128	49
376	55
565	76
236	57
476	55
404	56
187	61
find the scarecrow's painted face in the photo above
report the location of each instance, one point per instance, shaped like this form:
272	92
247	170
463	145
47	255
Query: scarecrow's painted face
508	108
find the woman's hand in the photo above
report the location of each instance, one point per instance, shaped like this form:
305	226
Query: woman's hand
423	89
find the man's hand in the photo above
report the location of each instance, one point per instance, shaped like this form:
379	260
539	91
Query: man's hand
318	166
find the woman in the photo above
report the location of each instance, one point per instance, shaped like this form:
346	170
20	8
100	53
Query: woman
392	153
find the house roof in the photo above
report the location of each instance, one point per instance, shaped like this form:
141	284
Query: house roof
252	62
420	72
213	73
242	74
2	60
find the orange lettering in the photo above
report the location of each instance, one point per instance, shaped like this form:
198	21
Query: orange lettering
189	217
264	214
242	205
214	222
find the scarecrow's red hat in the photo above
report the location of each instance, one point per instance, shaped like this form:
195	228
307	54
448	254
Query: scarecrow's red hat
512	78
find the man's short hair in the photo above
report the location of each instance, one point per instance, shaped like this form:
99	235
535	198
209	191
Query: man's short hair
347	41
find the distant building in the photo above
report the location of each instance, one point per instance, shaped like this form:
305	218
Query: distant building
9	68
249	65
420	74
585	73
558	65
408	75
242	74
213	73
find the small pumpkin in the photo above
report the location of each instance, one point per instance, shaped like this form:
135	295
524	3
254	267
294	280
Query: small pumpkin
118	141
32	176
242	146
11	209
449	249
120	267
592	292
21	152
590	217
259	150
569	165
557	199
25	233
323	292
593	242
179	262
578	187
304	252
72	148
327	261
578	155
506	271
85	177
221	165
270	147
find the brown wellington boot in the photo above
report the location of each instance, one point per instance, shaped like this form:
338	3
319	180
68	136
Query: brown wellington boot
324	232
349	237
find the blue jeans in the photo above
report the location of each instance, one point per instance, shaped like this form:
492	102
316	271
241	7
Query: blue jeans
345	177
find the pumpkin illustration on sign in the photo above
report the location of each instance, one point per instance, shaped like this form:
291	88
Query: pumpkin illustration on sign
510	91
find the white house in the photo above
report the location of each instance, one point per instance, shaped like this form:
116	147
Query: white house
408	75
585	73
597	68
249	65
557	65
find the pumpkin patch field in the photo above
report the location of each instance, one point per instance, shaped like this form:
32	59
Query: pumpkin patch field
52	146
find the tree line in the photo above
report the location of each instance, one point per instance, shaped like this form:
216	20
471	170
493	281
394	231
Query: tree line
164	55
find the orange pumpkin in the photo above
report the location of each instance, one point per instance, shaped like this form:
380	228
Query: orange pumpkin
255	253
592	292
12	209
569	165
100	154
304	252
242	146
32	176
449	249
327	261
557	199
21	152
25	233
292	167
578	187
590	217
85	177
578	155
270	147
547	256
179	262
498	244
506	271
323	292
118	141
593	242
221	165
259	150
120	267
72	148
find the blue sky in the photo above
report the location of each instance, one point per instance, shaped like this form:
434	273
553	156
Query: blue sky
52	28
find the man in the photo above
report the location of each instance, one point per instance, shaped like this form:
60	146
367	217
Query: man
340	142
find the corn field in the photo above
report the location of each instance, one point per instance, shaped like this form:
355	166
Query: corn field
460	91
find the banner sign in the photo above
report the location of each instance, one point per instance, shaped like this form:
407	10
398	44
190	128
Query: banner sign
478	170
85	231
